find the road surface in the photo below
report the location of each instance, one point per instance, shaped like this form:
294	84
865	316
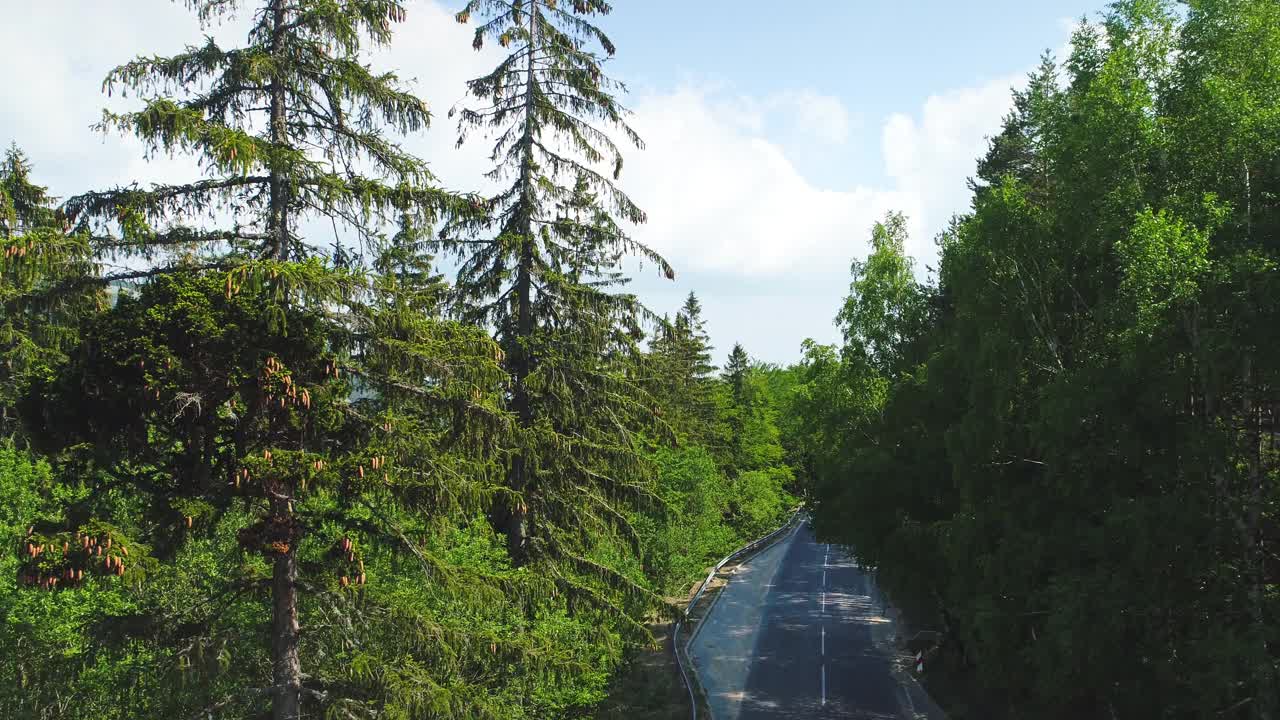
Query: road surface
799	633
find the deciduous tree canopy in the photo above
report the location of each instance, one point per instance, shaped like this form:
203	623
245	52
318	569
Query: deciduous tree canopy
1061	452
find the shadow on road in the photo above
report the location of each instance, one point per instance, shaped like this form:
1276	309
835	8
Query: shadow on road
801	634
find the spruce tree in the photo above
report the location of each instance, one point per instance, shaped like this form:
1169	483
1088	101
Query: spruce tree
681	377
41	255
1018	149
695	342
693	348
255	382
735	373
737	410
540	267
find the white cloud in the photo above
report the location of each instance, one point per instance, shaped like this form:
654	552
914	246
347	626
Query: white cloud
720	196
929	156
822	117
55	61
723	195
718	183
806	115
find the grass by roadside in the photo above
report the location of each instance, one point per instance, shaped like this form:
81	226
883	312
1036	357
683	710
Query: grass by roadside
648	687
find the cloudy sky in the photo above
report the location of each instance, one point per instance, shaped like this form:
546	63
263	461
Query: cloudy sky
776	133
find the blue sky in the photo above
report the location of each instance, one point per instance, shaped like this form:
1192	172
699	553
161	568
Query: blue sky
877	57
886	53
776	132
877	60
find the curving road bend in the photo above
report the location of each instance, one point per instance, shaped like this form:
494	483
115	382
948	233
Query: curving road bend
799	633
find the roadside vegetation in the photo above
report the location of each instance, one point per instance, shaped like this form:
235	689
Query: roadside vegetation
308	435
1060	451
249	468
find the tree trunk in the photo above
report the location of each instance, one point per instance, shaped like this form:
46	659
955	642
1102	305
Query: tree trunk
517	516
519	480
286	666
1250	524
278	218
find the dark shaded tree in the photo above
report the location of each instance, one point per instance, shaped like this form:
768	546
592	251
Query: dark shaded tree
41	255
1062	456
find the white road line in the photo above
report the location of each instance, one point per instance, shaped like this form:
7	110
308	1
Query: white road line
826	556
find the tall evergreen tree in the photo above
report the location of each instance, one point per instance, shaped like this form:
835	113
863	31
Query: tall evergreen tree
735	372
538	267
1018	150
42	258
695	344
681	377
738	408
693	353
256	382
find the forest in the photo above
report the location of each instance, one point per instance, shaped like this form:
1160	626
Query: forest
247	474
1060	451
451	466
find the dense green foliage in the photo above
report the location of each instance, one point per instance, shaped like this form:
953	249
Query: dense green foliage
726	481
249	469
539	266
1063	454
259	458
39	256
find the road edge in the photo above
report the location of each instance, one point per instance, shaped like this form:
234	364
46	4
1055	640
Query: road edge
742	561
688	670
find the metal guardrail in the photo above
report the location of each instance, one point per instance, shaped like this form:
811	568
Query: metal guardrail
675	633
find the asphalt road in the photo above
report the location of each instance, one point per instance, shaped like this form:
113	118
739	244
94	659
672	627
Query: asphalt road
799	633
